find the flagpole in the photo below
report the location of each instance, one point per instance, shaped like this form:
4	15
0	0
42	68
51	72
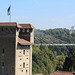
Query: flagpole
10	15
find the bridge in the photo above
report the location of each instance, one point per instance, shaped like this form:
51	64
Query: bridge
55	44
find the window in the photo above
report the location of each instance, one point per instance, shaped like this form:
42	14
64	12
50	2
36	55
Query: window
23	51
11	29
20	59
2	29
3	51
19	30
2	63
27	30
26	71
22	70
23	65
7	74
23	30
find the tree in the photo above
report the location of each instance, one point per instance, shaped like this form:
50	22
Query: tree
69	64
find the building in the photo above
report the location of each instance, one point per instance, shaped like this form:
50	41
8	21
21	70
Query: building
62	73
16	42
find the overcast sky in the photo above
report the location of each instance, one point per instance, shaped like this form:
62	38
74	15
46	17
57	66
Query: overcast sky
42	14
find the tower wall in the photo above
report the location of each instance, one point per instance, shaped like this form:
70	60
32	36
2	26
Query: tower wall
7	50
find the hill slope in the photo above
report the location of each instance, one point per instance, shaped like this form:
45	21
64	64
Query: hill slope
58	36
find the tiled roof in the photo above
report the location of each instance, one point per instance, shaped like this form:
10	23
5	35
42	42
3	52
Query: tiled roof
8	23
21	26
39	74
62	73
26	26
24	42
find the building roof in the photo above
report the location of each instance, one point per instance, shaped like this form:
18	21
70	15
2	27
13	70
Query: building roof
8	23
26	26
24	42
21	26
61	73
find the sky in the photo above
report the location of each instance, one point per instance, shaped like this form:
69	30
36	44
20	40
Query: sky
42	14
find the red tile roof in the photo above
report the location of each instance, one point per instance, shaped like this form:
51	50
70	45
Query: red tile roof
21	26
26	26
8	23
24	42
39	74
62	73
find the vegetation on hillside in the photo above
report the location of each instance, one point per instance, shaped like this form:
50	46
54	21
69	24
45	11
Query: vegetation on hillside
58	36
47	59
69	64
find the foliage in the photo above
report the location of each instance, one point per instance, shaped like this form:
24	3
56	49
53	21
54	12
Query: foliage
60	62
43	60
58	35
69	64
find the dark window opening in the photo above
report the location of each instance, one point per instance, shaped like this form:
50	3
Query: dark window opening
22	70
2	63
23	30
23	65
26	64
26	71
7	74
3	51
23	51
2	29
11	29
27	30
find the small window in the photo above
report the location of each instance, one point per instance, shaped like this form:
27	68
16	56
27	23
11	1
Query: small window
23	30
11	29
20	52
23	65
22	70
19	30
27	51
27	30
26	71
20	58
3	51
23	51
2	63
2	29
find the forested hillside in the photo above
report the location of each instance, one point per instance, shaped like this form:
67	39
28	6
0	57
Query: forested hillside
58	36
47	59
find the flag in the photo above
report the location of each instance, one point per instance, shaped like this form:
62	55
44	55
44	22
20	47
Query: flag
8	11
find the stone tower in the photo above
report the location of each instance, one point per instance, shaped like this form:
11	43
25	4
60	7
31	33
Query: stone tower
16	42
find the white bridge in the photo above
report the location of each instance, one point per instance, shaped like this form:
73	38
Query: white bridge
56	44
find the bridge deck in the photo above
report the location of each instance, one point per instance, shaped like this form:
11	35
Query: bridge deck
56	44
